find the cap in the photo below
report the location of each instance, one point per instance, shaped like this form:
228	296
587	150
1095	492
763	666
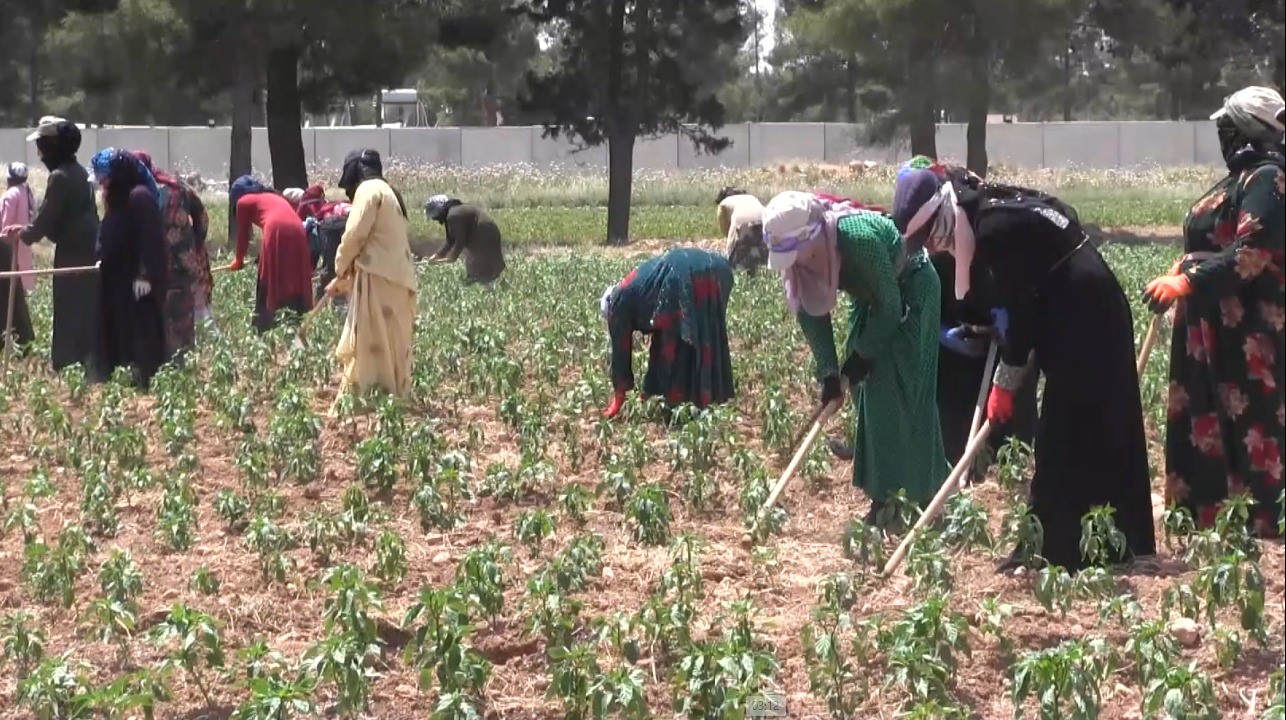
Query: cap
781	262
1263	104
47	127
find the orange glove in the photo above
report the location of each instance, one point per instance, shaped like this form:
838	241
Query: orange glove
1000	405
237	264
1162	292
615	408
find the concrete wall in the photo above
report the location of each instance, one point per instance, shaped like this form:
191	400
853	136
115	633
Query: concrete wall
1026	145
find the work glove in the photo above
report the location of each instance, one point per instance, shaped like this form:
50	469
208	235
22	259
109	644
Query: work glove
856	369
832	391
237	264
615	408
1000	405
961	341
1163	291
142	288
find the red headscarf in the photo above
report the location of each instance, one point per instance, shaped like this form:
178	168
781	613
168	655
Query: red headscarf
162	177
314	205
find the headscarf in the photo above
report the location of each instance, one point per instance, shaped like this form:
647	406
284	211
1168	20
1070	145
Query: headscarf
294	195
57	140
800	231
363	165
243	186
161	176
728	192
17	173
1250	124
125	171
437	207
922	199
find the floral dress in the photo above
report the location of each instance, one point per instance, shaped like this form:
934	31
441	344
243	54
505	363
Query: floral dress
1224	431
681	300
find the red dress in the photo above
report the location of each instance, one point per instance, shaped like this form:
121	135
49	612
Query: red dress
285	274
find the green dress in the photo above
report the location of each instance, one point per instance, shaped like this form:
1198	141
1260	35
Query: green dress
1224	432
894	325
681	300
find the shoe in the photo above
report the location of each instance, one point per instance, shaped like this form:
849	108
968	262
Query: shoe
1014	561
873	515
840	449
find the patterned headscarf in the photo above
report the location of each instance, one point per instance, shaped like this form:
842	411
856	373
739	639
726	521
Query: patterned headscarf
161	176
800	231
923	198
17	173
243	186
114	163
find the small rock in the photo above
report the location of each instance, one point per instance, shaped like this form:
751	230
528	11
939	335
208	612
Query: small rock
405	691
608	572
442	558
1020	571
292	588
1185	631
747	540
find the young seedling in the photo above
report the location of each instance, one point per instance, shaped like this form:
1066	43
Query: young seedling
390	557
532	528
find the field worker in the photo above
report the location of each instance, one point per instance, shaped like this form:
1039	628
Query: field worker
134	270
965	335
890	357
470	231
680	299
68	217
294	196
20	330
377	272
188	265
18	209
285	277
1224	429
1066	310
741	221
329	218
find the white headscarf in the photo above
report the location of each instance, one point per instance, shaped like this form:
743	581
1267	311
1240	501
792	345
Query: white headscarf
800	231
950	232
605	302
294	194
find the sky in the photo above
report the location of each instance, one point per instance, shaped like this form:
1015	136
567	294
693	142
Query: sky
769	10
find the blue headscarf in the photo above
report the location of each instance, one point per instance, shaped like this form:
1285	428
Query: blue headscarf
243	186
110	161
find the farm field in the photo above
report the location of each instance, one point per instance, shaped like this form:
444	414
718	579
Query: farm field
225	547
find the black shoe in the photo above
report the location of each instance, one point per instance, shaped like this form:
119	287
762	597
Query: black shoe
873	515
839	449
1015	561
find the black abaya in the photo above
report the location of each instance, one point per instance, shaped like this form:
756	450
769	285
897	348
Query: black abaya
1066	305
132	328
960	376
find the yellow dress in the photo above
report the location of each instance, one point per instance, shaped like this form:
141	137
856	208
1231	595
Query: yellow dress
375	265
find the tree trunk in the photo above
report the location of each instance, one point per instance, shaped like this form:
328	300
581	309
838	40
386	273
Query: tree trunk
33	61
851	81
1067	82
979	98
620	179
244	90
921	120
285	118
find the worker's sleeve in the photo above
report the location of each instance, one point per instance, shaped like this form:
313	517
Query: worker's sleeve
620	330
357	231
459	234
884	309
150	237
1261	229
820	334
245	221
53	209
